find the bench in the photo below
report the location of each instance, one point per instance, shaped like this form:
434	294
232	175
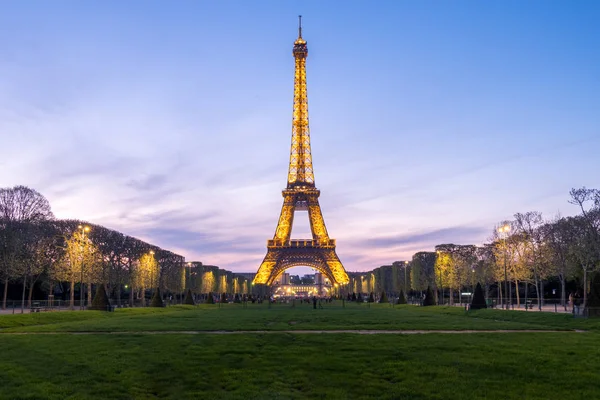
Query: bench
529	305
35	307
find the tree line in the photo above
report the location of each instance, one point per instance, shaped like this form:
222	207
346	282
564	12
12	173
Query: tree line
521	255
66	256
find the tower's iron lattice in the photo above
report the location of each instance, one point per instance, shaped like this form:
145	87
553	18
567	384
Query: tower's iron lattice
301	194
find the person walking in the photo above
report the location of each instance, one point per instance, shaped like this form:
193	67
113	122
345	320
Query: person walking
571	303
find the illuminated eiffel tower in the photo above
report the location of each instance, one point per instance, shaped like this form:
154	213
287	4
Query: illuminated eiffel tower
301	194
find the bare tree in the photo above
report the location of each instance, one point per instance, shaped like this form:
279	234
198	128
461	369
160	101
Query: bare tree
19	206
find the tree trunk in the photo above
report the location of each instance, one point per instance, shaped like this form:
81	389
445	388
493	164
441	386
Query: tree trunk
563	292
510	295
526	294
72	294
23	295
500	295
584	287
517	292
537	293
119	296
89	293
30	296
131	296
5	295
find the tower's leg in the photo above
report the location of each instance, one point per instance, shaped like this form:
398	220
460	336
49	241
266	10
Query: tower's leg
265	271
286	219
335	266
317	224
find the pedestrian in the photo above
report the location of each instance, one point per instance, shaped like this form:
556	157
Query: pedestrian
571	303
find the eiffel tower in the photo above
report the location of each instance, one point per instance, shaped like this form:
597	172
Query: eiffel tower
301	194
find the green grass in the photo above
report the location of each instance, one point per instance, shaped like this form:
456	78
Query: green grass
286	366
298	366
284	317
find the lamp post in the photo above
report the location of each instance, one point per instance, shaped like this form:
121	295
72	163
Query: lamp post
84	229
405	281
152	271
473	282
188	281
504	231
441	283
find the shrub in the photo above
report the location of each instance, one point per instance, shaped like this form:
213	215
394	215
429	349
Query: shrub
371	298
354	297
359	298
478	298
236	298
210	299
383	298
189	299
429	299
593	300
100	301
157	299
401	298
223	297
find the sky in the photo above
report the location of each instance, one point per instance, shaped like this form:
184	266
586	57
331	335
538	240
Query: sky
170	121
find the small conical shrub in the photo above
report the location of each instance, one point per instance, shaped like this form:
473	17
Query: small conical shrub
223	297
359	298
100	302
157	299
353	296
189	299
210	299
236	298
429	300
401	298
383	298
371	298
478	298
593	298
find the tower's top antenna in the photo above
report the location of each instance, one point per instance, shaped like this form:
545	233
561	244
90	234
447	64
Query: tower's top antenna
299	26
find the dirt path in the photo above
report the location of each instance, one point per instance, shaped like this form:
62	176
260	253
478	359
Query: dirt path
298	332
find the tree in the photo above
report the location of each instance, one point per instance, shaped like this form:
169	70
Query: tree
76	258
558	235
383	298
157	299
593	305
210	299
401	297
528	227
19	206
189	299
478	301
100	302
429	298
588	201
422	271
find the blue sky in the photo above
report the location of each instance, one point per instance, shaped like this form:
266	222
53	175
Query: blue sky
430	120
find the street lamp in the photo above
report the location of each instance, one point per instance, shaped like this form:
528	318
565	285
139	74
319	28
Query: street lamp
405	281
503	230
188	282
84	229
152	270
441	283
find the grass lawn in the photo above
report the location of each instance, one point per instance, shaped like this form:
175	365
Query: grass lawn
285	317
298	366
